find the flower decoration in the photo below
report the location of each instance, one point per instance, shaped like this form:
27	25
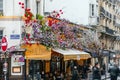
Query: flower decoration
58	32
28	15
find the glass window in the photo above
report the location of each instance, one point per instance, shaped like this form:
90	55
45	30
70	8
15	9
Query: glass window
92	9
1	34
38	7
1	5
27	3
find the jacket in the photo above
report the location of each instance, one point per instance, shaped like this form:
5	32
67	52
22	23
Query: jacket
96	73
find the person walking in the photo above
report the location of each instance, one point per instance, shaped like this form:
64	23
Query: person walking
75	74
96	72
38	76
114	72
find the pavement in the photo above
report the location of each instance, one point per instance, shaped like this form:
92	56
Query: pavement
103	77
107	77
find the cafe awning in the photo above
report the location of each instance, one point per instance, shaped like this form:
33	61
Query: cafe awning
37	52
73	54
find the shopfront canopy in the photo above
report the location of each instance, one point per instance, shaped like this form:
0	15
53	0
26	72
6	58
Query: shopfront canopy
37	52
73	54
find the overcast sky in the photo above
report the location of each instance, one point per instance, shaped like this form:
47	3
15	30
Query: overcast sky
74	10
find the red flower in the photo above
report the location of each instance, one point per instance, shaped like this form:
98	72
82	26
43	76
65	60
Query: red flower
22	3
19	3
54	11
60	10
50	23
22	7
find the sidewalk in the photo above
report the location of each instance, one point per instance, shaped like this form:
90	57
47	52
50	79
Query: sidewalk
105	77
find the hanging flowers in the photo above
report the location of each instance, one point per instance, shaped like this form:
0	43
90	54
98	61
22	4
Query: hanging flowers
54	14
28	15
57	33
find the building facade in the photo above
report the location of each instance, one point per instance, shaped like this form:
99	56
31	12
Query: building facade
11	24
106	22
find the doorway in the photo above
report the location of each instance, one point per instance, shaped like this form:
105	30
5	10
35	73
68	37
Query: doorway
35	67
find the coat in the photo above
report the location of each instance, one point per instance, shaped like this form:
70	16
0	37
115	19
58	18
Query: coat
114	71
96	73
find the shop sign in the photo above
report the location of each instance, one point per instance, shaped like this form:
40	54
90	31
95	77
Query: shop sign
18	60
15	36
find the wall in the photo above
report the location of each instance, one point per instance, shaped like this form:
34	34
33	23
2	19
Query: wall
11	28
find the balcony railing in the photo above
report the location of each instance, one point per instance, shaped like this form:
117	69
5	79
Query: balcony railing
117	24
109	31
106	13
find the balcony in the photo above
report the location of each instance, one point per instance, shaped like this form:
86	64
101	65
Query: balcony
117	24
109	31
106	30
106	14
102	10
117	38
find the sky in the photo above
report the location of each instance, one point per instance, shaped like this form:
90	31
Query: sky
73	10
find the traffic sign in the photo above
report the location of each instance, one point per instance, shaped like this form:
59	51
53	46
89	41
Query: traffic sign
4	44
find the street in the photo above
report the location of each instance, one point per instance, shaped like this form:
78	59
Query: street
104	77
108	77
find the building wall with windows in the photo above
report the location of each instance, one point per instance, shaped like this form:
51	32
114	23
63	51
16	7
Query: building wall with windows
108	22
11	26
93	12
11	20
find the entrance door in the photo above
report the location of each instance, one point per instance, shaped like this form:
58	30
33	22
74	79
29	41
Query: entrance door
35	67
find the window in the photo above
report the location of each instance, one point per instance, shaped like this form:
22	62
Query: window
1	34
38	7
1	7
92	9
27	2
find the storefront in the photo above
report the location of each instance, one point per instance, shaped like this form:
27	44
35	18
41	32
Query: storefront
37	59
16	65
56	63
70	55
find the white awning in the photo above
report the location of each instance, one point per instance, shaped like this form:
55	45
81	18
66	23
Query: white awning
73	54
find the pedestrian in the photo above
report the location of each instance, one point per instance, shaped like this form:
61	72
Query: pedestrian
103	69
75	74
114	72
96	72
43	75
38	76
